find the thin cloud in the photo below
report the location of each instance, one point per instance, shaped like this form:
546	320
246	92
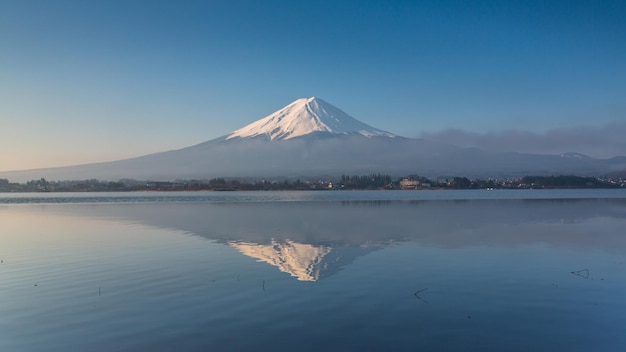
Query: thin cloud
599	142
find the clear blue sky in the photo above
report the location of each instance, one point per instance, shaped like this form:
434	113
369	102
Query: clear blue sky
87	81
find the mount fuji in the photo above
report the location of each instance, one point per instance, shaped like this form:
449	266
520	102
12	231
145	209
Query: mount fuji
311	138
304	117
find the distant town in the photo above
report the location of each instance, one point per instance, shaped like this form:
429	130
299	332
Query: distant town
345	182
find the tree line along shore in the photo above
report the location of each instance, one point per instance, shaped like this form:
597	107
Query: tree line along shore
345	182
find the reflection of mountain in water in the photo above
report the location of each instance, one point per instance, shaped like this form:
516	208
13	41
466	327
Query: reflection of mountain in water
313	240
303	261
306	262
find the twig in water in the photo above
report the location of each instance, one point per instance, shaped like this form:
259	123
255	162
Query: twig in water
417	294
582	273
100	291
263	285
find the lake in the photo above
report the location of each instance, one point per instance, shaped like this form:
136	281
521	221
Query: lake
527	270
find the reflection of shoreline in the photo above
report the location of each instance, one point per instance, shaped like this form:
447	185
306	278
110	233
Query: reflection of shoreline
305	262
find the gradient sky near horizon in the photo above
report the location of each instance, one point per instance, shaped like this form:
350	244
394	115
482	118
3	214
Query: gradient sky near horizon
90	81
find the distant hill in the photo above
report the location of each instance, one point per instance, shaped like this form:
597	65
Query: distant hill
311	137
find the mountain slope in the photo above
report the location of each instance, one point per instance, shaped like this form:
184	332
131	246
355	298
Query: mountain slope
303	117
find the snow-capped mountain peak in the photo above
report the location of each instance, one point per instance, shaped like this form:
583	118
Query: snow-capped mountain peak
305	116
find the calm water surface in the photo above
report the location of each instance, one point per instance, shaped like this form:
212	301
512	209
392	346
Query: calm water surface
335	271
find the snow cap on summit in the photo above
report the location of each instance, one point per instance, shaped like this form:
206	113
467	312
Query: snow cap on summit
305	116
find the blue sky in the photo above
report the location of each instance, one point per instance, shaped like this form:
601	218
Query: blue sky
88	81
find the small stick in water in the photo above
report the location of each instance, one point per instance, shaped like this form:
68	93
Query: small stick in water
417	294
263	285
100	291
582	273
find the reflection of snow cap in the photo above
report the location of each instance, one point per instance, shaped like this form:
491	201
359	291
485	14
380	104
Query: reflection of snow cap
305	116
303	261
